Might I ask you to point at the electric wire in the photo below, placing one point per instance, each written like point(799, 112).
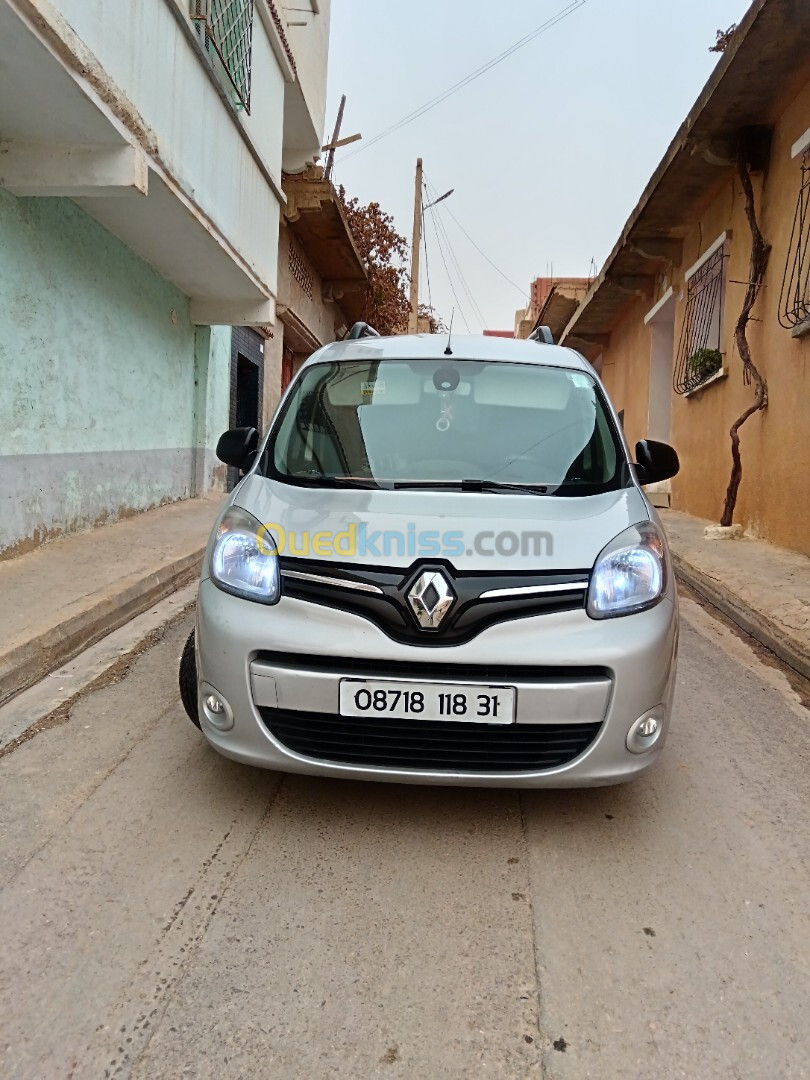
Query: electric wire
point(449, 275)
point(447, 271)
point(427, 264)
point(523, 293)
point(452, 268)
point(573, 5)
point(454, 261)
point(476, 309)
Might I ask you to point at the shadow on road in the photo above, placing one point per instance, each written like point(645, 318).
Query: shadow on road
point(428, 807)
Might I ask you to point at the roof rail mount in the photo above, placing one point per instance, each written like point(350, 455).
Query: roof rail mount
point(542, 334)
point(361, 330)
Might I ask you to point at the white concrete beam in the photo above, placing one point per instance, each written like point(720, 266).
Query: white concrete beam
point(801, 145)
point(73, 171)
point(276, 43)
point(206, 312)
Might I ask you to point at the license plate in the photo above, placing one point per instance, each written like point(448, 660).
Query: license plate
point(427, 701)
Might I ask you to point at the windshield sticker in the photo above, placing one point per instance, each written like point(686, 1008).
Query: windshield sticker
point(371, 388)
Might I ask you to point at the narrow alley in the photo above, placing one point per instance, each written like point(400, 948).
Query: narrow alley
point(169, 913)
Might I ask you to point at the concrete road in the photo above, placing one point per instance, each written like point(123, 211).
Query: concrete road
point(167, 913)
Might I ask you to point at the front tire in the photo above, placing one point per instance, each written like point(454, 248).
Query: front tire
point(188, 680)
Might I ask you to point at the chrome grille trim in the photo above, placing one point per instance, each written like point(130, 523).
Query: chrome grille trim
point(534, 590)
point(340, 583)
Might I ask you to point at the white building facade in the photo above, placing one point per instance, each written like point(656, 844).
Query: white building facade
point(141, 155)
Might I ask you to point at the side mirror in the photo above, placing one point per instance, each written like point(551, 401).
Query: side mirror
point(655, 461)
point(237, 447)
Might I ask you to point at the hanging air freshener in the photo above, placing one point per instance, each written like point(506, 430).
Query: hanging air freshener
point(445, 380)
point(443, 423)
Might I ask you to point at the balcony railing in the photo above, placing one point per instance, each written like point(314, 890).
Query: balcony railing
point(226, 27)
point(794, 299)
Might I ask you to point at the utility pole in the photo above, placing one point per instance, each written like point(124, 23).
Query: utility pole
point(330, 161)
point(413, 318)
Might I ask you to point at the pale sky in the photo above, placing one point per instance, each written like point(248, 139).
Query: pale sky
point(548, 153)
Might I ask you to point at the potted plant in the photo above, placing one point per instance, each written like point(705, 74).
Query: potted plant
point(703, 363)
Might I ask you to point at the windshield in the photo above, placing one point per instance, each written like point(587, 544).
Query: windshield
point(446, 423)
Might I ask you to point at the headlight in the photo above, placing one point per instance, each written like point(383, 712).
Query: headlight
point(630, 573)
point(244, 560)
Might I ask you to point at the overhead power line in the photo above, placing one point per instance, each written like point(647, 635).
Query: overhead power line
point(497, 269)
point(447, 269)
point(427, 264)
point(476, 309)
point(564, 13)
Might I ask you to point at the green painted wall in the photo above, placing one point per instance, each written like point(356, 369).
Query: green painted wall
point(213, 367)
point(100, 391)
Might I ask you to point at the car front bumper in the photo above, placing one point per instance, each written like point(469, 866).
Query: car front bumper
point(290, 658)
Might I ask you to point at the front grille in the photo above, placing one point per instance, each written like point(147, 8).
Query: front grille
point(429, 745)
point(408, 669)
point(472, 612)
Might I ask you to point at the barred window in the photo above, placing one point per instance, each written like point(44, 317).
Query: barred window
point(700, 348)
point(226, 27)
point(299, 270)
point(794, 300)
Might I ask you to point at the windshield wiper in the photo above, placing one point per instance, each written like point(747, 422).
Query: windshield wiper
point(502, 485)
point(471, 486)
point(415, 485)
point(339, 481)
point(355, 481)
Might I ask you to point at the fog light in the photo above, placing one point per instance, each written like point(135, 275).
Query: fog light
point(646, 731)
point(216, 709)
point(648, 726)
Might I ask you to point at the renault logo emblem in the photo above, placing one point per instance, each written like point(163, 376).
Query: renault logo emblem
point(430, 598)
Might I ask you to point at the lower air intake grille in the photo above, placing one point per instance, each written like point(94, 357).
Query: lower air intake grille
point(427, 745)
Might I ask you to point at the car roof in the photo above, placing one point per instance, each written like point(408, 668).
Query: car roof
point(432, 347)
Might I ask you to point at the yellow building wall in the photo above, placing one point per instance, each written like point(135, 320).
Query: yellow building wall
point(774, 496)
point(626, 370)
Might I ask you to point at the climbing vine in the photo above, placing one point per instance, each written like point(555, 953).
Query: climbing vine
point(760, 253)
point(723, 39)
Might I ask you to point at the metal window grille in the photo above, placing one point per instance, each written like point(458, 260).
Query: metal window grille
point(794, 299)
point(699, 353)
point(298, 269)
point(226, 27)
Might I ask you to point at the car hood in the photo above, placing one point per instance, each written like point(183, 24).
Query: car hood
point(472, 531)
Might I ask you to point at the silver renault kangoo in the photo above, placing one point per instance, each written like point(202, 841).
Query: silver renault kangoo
point(439, 567)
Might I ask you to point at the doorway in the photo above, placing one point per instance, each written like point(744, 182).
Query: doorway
point(247, 379)
point(287, 362)
point(661, 321)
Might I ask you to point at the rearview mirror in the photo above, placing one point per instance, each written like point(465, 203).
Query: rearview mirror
point(237, 447)
point(655, 461)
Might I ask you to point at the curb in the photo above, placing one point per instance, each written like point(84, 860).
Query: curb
point(795, 653)
point(32, 661)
